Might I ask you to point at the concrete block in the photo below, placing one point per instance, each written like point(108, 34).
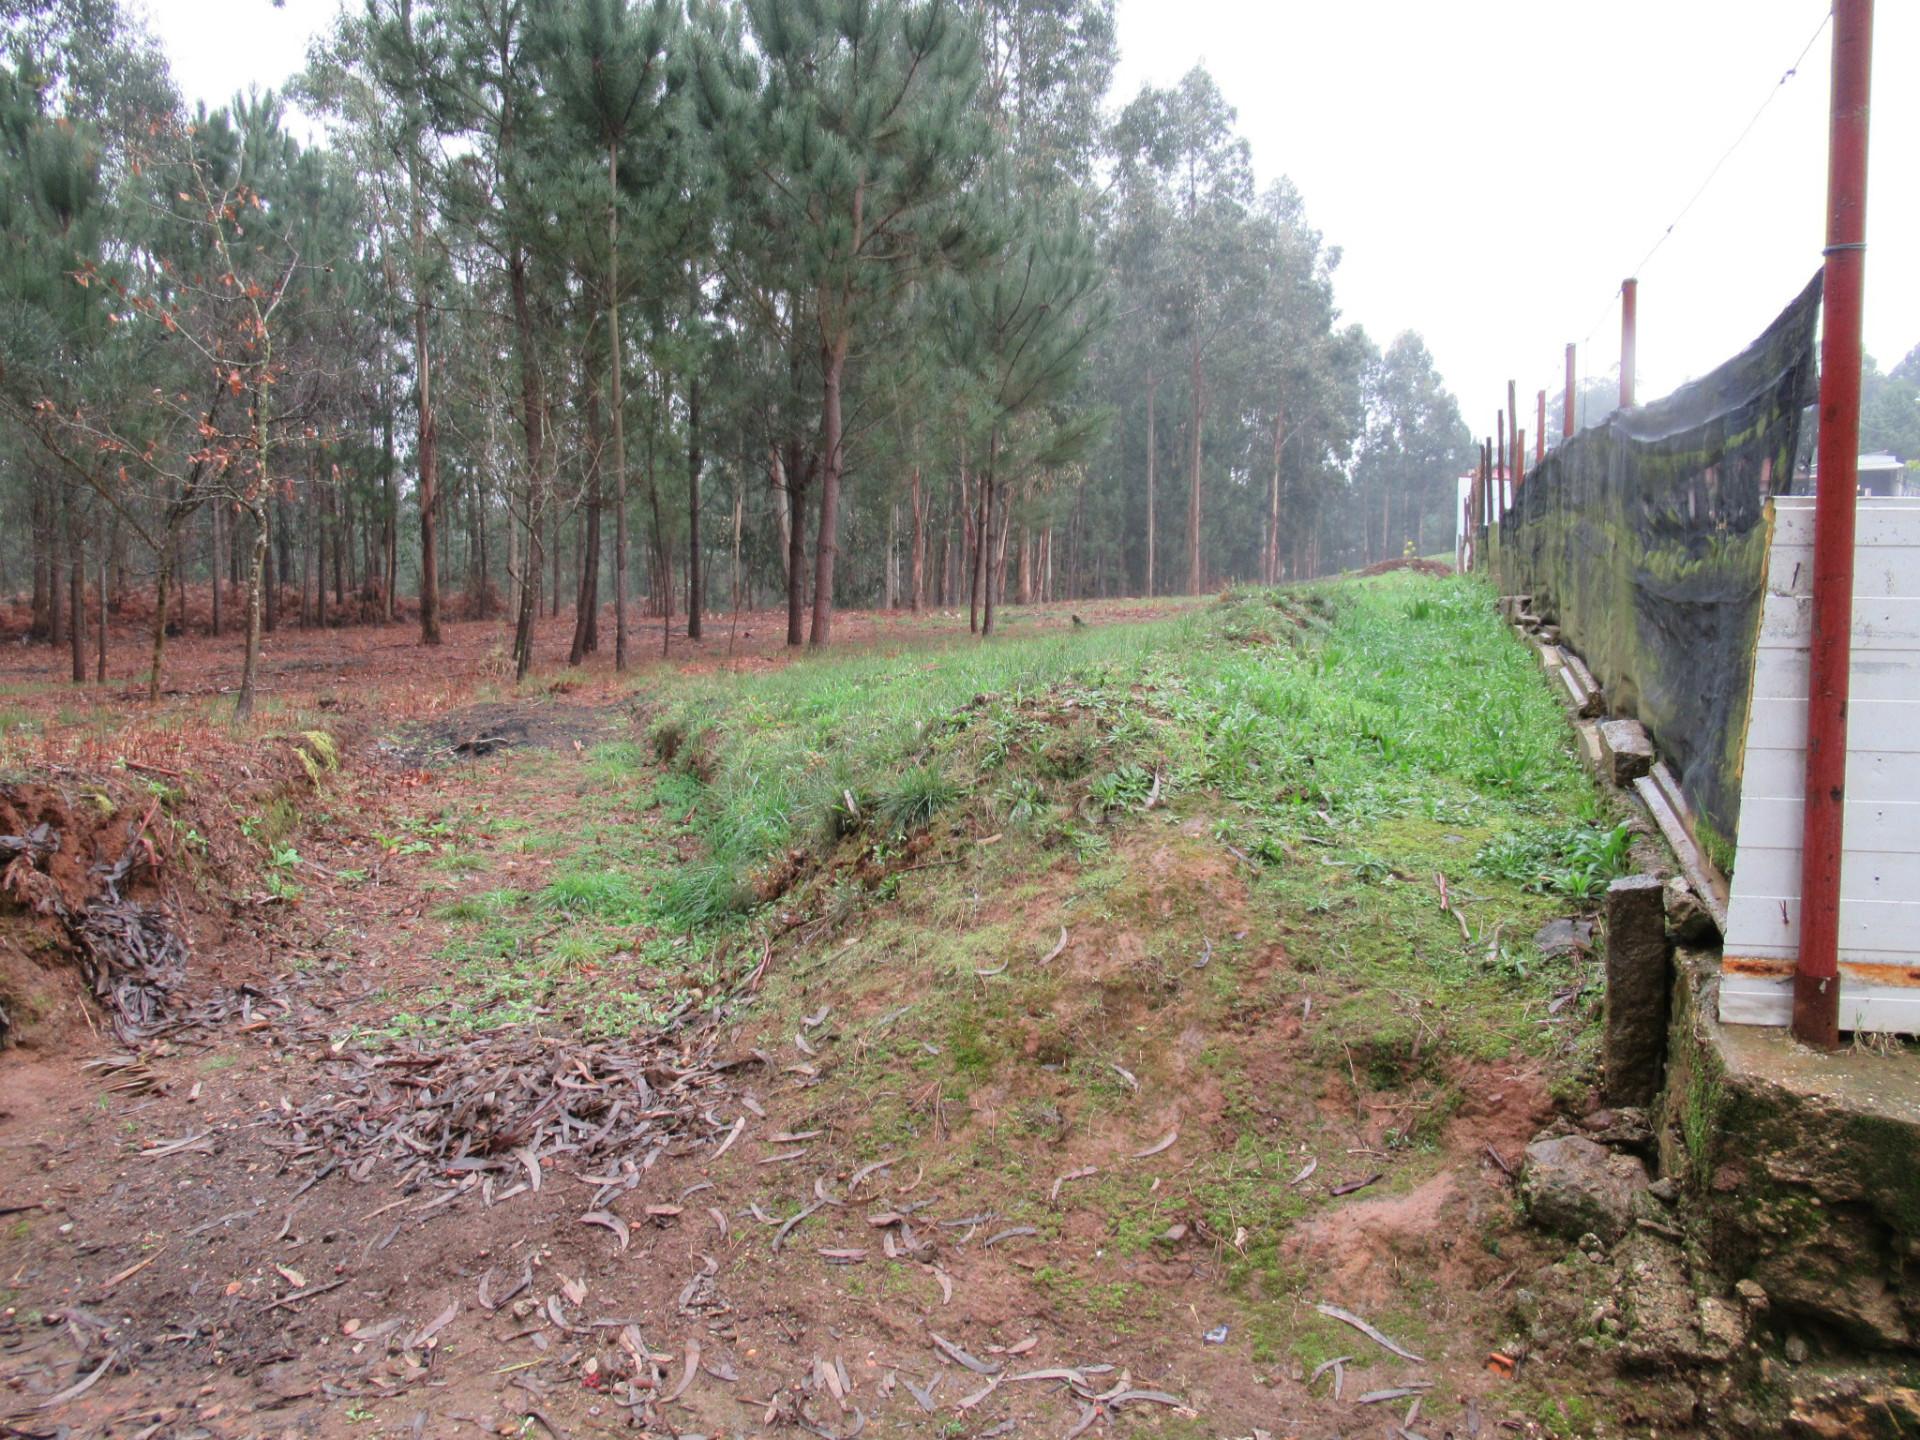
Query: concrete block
point(1587, 702)
point(1626, 749)
point(1590, 745)
point(1634, 1046)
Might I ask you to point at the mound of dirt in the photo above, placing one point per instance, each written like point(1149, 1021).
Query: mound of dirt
point(80, 888)
point(475, 731)
point(1409, 562)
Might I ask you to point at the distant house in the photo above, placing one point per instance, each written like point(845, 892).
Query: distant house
point(1883, 474)
point(1880, 474)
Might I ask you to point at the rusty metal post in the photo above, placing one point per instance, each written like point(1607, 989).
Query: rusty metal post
point(1517, 457)
point(1816, 979)
point(1500, 454)
point(1629, 336)
point(1540, 431)
point(1566, 423)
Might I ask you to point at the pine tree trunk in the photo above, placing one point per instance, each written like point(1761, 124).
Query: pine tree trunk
point(796, 537)
point(533, 413)
point(162, 583)
point(739, 514)
point(214, 568)
point(988, 493)
point(782, 502)
point(890, 572)
point(428, 443)
point(917, 576)
point(42, 540)
point(256, 501)
point(56, 576)
point(100, 629)
point(586, 602)
point(77, 591)
point(833, 363)
point(617, 398)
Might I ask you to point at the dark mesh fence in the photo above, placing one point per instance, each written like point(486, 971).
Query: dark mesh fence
point(1644, 539)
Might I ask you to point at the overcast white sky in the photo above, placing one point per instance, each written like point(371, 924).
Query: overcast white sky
point(1491, 168)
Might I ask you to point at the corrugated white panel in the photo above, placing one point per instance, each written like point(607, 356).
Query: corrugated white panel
point(1880, 874)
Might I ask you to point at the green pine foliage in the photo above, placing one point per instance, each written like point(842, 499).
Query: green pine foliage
point(825, 301)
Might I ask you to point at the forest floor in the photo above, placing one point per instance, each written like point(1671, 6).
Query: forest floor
point(927, 1039)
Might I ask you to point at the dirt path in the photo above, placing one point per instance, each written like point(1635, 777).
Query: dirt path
point(364, 1206)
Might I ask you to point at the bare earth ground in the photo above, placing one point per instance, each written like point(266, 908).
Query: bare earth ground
point(318, 1213)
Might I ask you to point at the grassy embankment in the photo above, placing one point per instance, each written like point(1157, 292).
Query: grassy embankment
point(1262, 950)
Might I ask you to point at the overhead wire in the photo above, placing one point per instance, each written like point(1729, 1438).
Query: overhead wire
point(1773, 93)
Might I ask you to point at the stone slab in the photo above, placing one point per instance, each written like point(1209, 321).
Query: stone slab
point(1626, 750)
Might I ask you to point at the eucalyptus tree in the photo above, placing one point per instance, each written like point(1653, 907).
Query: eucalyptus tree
point(1414, 444)
point(856, 120)
point(1182, 142)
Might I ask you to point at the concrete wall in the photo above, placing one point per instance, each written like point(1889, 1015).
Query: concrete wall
point(1880, 874)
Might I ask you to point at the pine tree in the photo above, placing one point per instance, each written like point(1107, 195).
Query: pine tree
point(863, 132)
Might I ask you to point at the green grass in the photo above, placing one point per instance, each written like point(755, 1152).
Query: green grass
point(1317, 714)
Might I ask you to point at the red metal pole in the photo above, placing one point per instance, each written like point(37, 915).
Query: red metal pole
point(1516, 456)
point(1566, 424)
point(1540, 431)
point(1816, 980)
point(1629, 321)
point(1500, 455)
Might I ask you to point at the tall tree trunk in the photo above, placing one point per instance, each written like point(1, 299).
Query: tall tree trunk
point(890, 569)
point(586, 604)
point(317, 537)
point(989, 489)
point(213, 519)
point(56, 575)
point(273, 576)
point(617, 402)
point(1197, 412)
point(554, 525)
point(77, 588)
point(833, 364)
point(1152, 448)
point(428, 443)
point(976, 547)
point(100, 628)
point(533, 407)
point(389, 510)
point(249, 669)
point(782, 502)
point(256, 502)
point(739, 514)
point(798, 479)
point(696, 586)
point(1271, 559)
point(162, 584)
point(41, 532)
point(917, 565)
